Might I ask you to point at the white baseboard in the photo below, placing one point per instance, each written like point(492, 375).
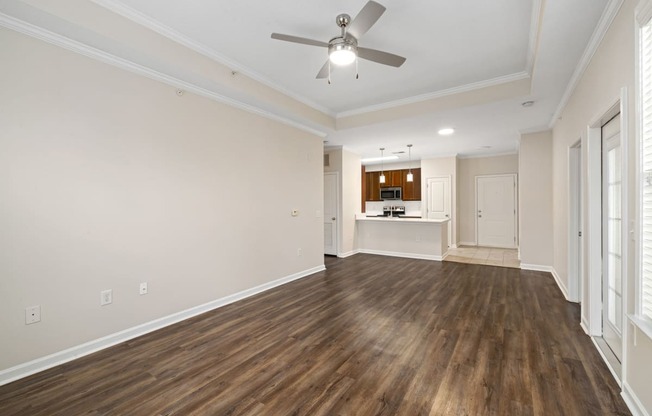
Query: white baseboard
point(52, 360)
point(606, 361)
point(584, 326)
point(551, 270)
point(404, 255)
point(466, 243)
point(348, 254)
point(453, 245)
point(632, 401)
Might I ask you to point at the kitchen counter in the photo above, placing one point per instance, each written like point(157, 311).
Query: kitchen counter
point(417, 238)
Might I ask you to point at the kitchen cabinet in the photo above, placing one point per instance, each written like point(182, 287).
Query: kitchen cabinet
point(372, 186)
point(412, 190)
point(393, 178)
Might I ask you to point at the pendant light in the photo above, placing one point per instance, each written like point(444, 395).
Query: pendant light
point(382, 166)
point(410, 176)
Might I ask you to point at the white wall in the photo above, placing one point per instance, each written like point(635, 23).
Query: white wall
point(444, 166)
point(109, 179)
point(468, 169)
point(535, 199)
point(611, 69)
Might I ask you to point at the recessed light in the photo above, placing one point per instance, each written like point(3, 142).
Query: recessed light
point(527, 103)
point(446, 132)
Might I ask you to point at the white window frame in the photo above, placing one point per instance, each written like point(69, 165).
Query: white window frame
point(643, 18)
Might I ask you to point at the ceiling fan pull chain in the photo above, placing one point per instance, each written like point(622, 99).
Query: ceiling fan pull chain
point(357, 75)
point(329, 72)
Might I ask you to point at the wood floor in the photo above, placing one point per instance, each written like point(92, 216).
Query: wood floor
point(371, 335)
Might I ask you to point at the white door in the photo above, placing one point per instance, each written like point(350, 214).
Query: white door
point(439, 200)
point(496, 210)
point(612, 306)
point(575, 253)
point(330, 213)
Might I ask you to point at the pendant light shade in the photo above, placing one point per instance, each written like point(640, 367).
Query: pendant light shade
point(410, 176)
point(382, 167)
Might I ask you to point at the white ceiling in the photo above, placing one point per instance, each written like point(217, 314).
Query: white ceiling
point(452, 47)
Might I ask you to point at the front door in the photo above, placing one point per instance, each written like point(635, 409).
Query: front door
point(330, 213)
point(439, 200)
point(496, 210)
point(612, 299)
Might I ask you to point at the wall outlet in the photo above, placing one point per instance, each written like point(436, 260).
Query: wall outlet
point(106, 297)
point(299, 252)
point(143, 288)
point(32, 314)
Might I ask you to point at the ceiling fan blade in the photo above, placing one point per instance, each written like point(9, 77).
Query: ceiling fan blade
point(297, 39)
point(323, 72)
point(367, 17)
point(381, 57)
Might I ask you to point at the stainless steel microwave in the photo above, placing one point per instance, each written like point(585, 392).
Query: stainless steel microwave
point(393, 193)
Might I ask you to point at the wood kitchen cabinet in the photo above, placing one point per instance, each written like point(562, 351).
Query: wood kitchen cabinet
point(393, 178)
point(372, 186)
point(412, 190)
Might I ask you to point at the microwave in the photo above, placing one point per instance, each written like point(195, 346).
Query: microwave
point(393, 193)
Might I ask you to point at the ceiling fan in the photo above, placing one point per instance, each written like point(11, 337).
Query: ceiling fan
point(344, 49)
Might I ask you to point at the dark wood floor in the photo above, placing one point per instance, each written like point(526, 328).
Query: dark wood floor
point(370, 336)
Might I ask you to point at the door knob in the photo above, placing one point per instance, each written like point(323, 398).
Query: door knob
point(333, 218)
point(479, 216)
point(447, 216)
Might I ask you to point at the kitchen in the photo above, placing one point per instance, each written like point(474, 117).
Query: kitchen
point(392, 222)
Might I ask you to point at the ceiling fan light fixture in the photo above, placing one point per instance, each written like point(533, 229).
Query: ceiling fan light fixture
point(342, 52)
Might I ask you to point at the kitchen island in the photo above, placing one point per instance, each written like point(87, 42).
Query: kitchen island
point(415, 238)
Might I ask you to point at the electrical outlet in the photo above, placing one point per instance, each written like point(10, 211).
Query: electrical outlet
point(106, 297)
point(32, 314)
point(143, 288)
point(299, 252)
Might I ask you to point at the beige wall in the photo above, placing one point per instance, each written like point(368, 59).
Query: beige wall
point(444, 166)
point(535, 199)
point(110, 179)
point(468, 170)
point(348, 166)
point(611, 68)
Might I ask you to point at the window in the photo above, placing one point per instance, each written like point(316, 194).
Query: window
point(644, 296)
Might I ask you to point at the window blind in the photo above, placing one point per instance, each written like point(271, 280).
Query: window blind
point(646, 175)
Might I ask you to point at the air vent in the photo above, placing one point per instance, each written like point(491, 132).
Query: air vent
point(399, 152)
point(327, 160)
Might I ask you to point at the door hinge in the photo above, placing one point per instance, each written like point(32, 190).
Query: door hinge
point(579, 234)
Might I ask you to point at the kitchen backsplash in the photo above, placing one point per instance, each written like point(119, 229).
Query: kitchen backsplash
point(412, 208)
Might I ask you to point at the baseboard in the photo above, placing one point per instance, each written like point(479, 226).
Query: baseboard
point(632, 401)
point(584, 326)
point(348, 254)
point(606, 361)
point(52, 360)
point(551, 270)
point(404, 255)
point(453, 245)
point(466, 243)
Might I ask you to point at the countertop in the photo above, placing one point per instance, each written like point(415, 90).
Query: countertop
point(362, 217)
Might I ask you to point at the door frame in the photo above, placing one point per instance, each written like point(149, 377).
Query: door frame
point(337, 211)
point(575, 241)
point(591, 309)
point(475, 213)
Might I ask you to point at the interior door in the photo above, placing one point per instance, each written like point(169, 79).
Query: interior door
point(496, 211)
point(439, 200)
point(612, 306)
point(330, 213)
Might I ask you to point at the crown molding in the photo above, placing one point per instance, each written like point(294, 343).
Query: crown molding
point(146, 21)
point(608, 16)
point(535, 30)
point(437, 94)
point(485, 155)
point(107, 58)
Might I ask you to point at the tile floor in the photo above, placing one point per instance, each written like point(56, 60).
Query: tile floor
point(484, 255)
